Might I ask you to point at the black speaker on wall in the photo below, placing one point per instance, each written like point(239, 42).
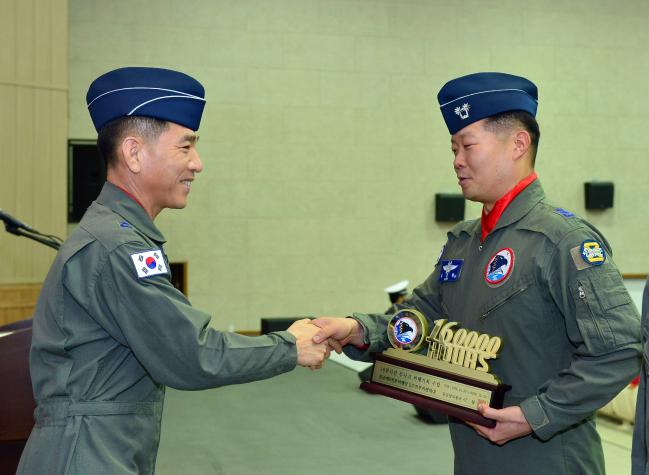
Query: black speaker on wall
point(86, 177)
point(599, 194)
point(449, 207)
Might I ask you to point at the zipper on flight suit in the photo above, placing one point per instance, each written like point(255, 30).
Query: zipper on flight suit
point(582, 297)
point(504, 301)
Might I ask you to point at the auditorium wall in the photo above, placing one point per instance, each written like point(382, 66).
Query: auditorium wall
point(33, 131)
point(322, 141)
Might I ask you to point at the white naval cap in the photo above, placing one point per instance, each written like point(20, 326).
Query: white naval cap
point(398, 288)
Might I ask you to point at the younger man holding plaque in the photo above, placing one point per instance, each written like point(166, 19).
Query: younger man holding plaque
point(533, 274)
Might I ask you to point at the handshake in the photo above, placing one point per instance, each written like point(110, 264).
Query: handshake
point(316, 338)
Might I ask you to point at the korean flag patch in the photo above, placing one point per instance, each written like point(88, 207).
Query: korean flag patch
point(149, 263)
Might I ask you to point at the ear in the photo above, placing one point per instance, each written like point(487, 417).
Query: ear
point(522, 143)
point(132, 149)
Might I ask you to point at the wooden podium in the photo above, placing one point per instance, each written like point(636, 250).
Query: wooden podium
point(16, 398)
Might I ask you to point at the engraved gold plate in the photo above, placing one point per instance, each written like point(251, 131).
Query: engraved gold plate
point(429, 385)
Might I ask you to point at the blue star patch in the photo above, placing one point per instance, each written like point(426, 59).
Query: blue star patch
point(450, 270)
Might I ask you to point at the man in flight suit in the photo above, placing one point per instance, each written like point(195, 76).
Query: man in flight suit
point(533, 274)
point(110, 331)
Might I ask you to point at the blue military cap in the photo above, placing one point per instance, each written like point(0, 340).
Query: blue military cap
point(474, 97)
point(150, 92)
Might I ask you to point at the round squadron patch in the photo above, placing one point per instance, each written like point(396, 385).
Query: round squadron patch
point(407, 329)
point(593, 253)
point(499, 267)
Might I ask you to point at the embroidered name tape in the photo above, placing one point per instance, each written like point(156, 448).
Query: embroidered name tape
point(149, 263)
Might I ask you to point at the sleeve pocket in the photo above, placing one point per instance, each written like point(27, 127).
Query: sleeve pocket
point(606, 315)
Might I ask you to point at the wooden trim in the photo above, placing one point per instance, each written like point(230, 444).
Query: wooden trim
point(17, 301)
point(249, 332)
point(34, 85)
point(635, 276)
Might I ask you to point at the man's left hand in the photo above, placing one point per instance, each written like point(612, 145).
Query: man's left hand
point(510, 424)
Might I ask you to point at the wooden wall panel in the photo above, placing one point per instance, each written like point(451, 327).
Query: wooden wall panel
point(25, 32)
point(33, 131)
point(17, 302)
point(59, 53)
point(59, 174)
point(7, 40)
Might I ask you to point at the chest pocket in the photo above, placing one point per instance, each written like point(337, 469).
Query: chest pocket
point(506, 295)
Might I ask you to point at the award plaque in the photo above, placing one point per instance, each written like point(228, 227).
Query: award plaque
point(452, 378)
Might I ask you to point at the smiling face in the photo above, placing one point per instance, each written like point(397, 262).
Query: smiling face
point(168, 167)
point(484, 163)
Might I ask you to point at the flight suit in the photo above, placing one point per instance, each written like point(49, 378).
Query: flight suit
point(640, 465)
point(109, 333)
point(570, 333)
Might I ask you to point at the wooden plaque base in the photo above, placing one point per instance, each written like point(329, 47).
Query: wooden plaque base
point(423, 385)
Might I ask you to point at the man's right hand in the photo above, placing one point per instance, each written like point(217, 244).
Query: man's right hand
point(338, 332)
point(309, 353)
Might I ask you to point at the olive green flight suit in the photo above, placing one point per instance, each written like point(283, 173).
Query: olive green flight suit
point(570, 335)
point(106, 342)
point(640, 465)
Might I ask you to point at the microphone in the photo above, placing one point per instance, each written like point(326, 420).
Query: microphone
point(12, 222)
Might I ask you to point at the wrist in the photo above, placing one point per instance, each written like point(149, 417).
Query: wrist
point(357, 334)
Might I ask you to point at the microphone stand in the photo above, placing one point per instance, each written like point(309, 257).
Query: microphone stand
point(47, 239)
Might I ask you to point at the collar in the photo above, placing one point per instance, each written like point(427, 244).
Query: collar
point(124, 204)
point(491, 220)
point(130, 195)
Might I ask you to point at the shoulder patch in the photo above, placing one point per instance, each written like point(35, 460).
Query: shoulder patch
point(593, 252)
point(149, 263)
point(564, 213)
point(125, 224)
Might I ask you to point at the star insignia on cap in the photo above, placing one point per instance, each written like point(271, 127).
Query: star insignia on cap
point(463, 111)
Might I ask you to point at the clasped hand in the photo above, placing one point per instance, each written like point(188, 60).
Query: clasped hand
point(316, 338)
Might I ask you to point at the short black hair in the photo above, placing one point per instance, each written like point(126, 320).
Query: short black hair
point(111, 134)
point(506, 121)
point(394, 296)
